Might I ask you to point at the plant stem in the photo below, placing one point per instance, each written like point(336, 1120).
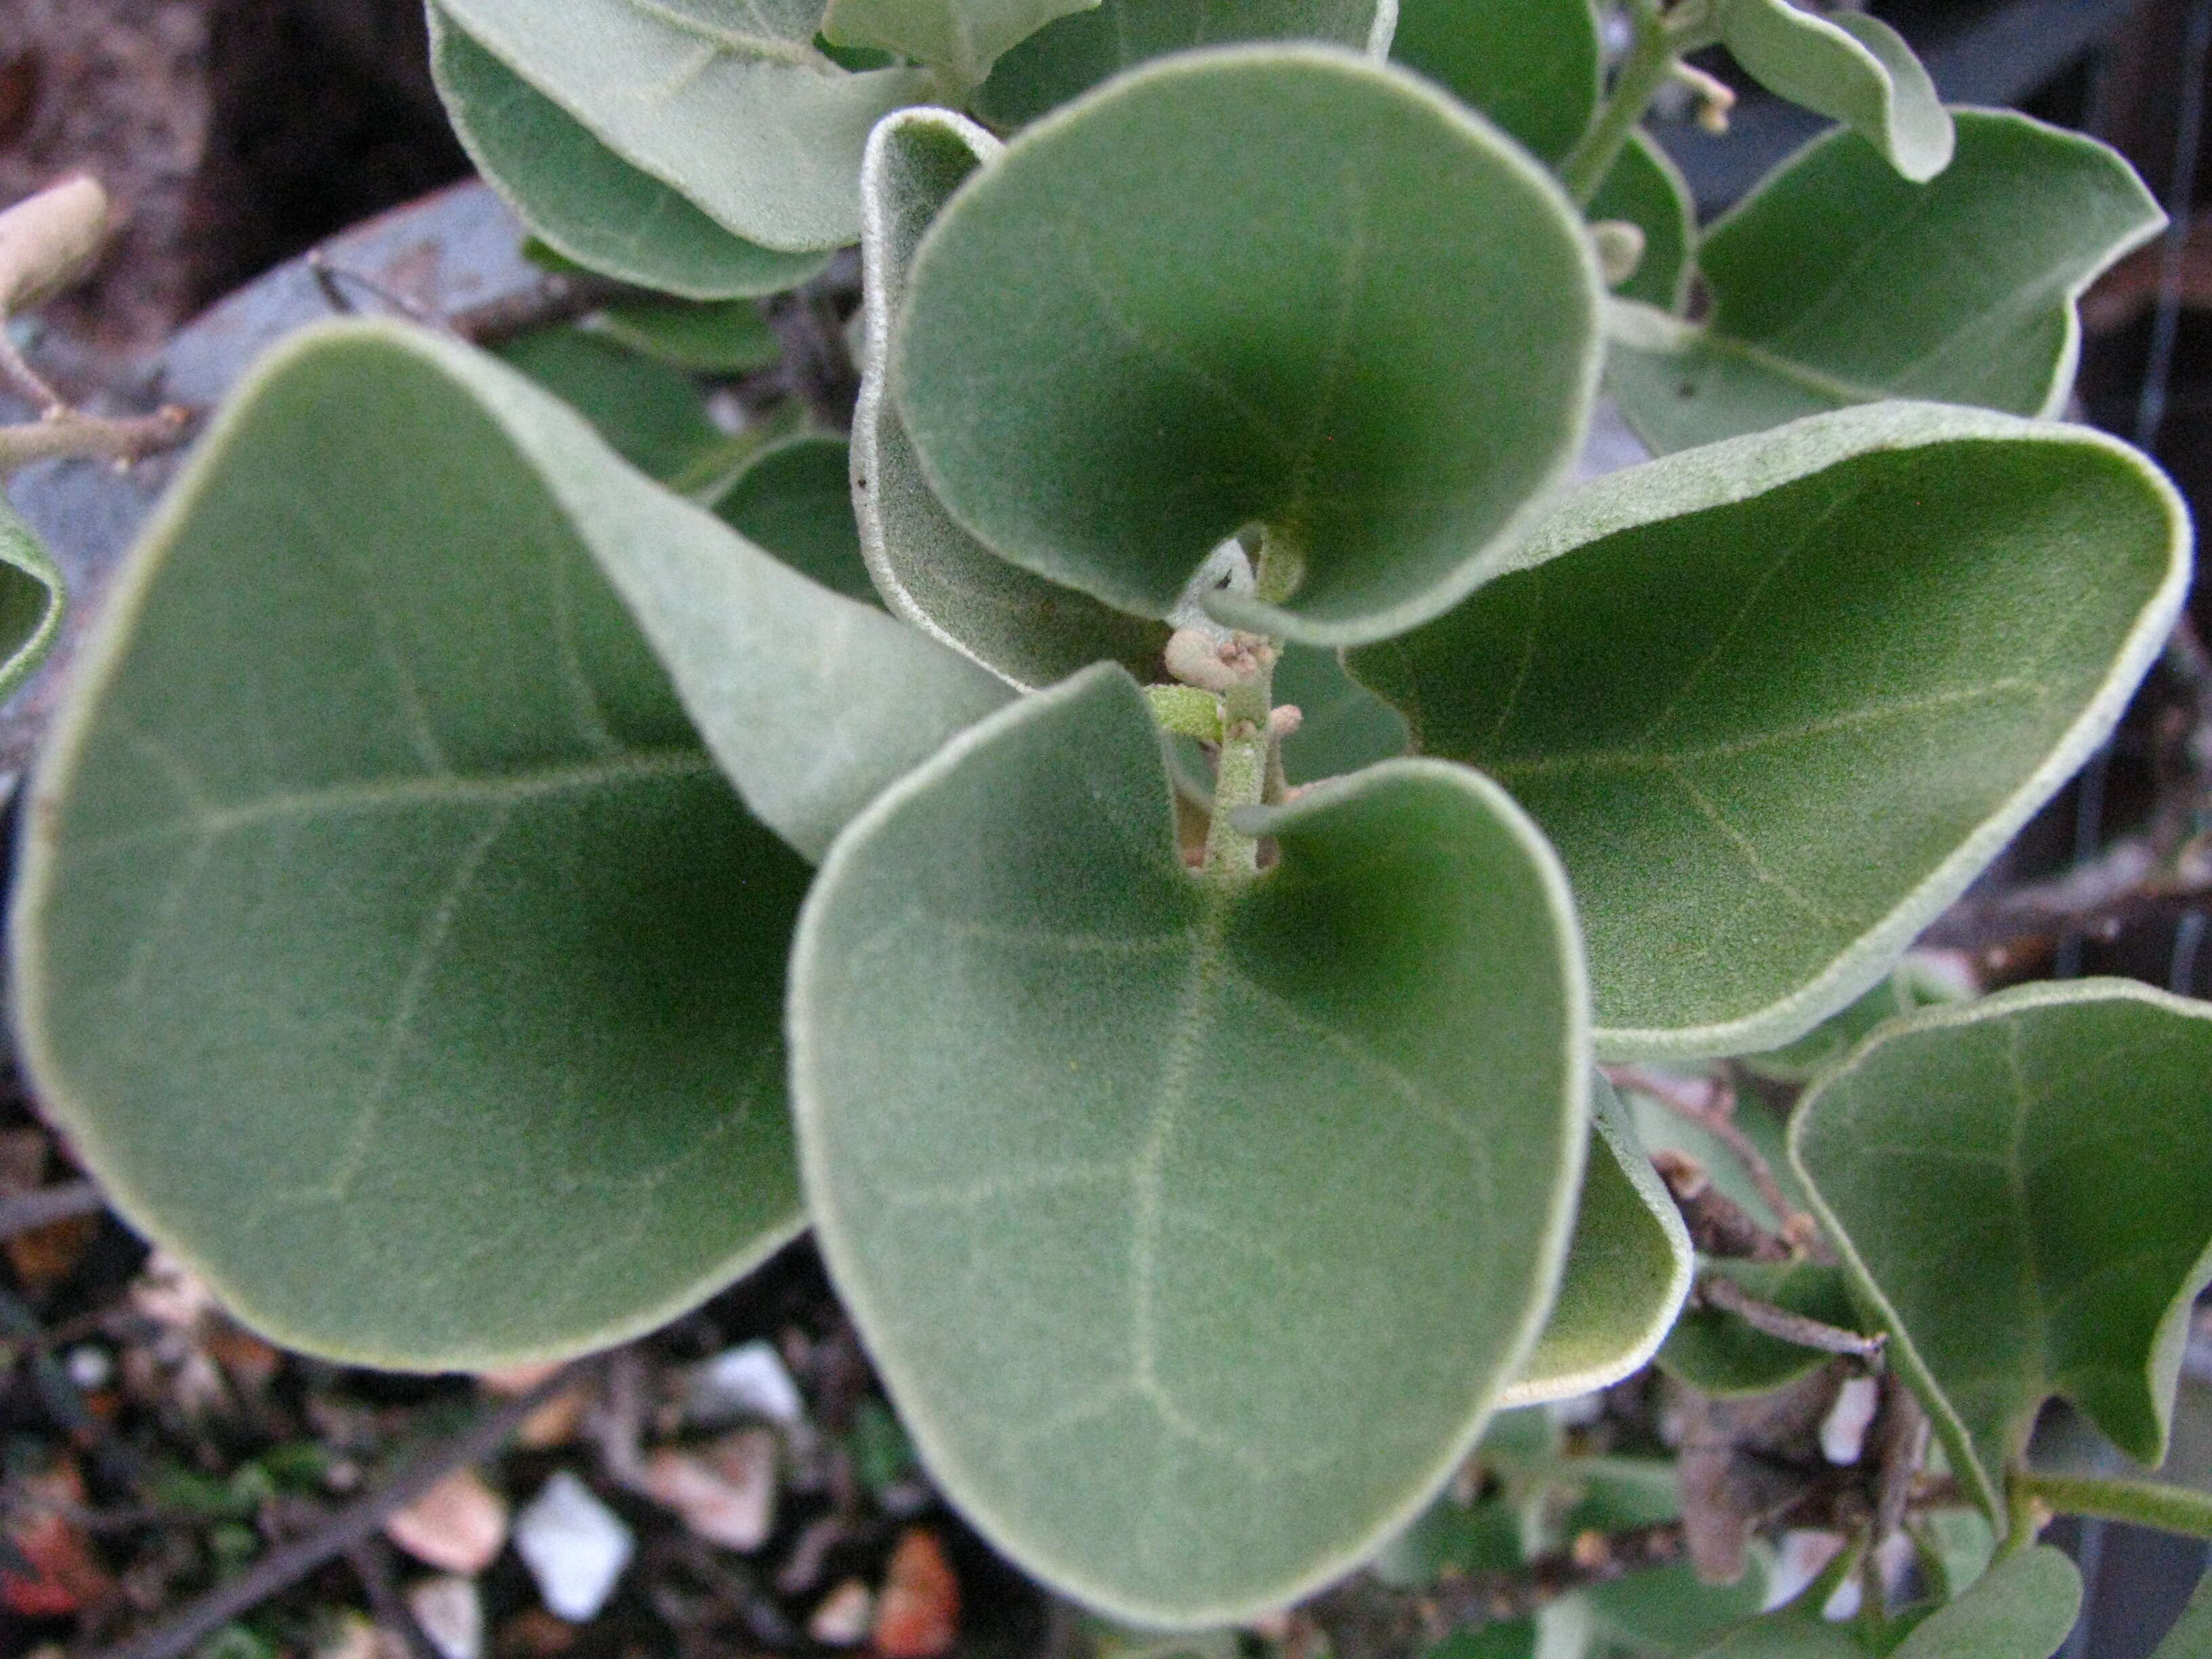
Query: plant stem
point(1240, 779)
point(71, 434)
point(2142, 1503)
point(1661, 38)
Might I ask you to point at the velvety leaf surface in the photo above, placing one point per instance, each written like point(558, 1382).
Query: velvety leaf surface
point(30, 600)
point(1067, 58)
point(1850, 67)
point(1776, 701)
point(1718, 1354)
point(2022, 1608)
point(1029, 631)
point(388, 944)
point(1207, 296)
point(1914, 984)
point(1788, 1633)
point(1529, 65)
point(1628, 1269)
point(726, 337)
point(793, 500)
point(1132, 1182)
point(582, 199)
point(651, 414)
point(731, 104)
point(1836, 282)
point(2191, 1635)
point(1648, 190)
point(965, 37)
point(2018, 1187)
point(1346, 726)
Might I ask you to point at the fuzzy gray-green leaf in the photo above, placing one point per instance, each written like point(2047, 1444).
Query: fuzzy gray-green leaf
point(580, 199)
point(1852, 68)
point(2023, 1608)
point(1648, 190)
point(388, 944)
point(964, 37)
point(1777, 701)
point(1836, 281)
point(1628, 1269)
point(1067, 58)
point(1191, 1229)
point(1530, 65)
point(2017, 1188)
point(1022, 627)
point(733, 105)
point(793, 500)
point(1207, 296)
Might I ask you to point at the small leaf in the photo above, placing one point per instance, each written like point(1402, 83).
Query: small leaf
point(30, 600)
point(1836, 281)
point(1916, 982)
point(2018, 1188)
point(1661, 1610)
point(1065, 59)
point(793, 500)
point(651, 414)
point(583, 200)
point(2023, 1608)
point(1852, 68)
point(728, 336)
point(1788, 1633)
point(1029, 631)
point(1648, 190)
point(1241, 324)
point(1134, 1182)
point(387, 944)
point(1777, 703)
point(964, 37)
point(1345, 726)
point(1530, 65)
point(1718, 1354)
point(736, 110)
point(1628, 1270)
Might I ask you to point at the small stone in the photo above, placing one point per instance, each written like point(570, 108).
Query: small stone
point(843, 1618)
point(451, 1613)
point(459, 1526)
point(919, 1615)
point(744, 1381)
point(90, 1368)
point(726, 1494)
point(574, 1545)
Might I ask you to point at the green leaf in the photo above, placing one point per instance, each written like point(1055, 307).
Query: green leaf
point(31, 600)
point(726, 337)
point(1454, 1539)
point(2023, 1608)
point(654, 415)
point(964, 37)
point(1628, 1269)
point(1778, 702)
point(1648, 190)
point(1029, 631)
point(2191, 1635)
point(1790, 1633)
point(1193, 1228)
point(1345, 726)
point(1718, 1354)
point(1850, 67)
point(735, 108)
point(1240, 325)
point(387, 943)
point(1068, 58)
point(1530, 65)
point(1916, 982)
point(580, 199)
point(1836, 281)
point(793, 500)
point(1661, 1610)
point(2017, 1188)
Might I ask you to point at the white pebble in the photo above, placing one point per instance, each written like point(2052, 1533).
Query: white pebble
point(744, 1381)
point(574, 1545)
point(451, 1614)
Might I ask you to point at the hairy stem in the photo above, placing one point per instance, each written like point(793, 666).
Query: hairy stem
point(1660, 38)
point(2142, 1502)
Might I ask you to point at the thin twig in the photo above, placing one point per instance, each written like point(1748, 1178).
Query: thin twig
point(282, 1567)
point(69, 435)
point(1718, 1224)
point(2096, 898)
point(370, 1558)
point(1712, 1107)
point(556, 297)
point(1721, 1292)
point(27, 1212)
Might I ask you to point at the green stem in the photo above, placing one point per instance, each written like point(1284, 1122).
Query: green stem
point(1240, 778)
point(1659, 40)
point(2142, 1502)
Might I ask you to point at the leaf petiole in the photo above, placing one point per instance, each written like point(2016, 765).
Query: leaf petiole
point(1662, 37)
point(2142, 1503)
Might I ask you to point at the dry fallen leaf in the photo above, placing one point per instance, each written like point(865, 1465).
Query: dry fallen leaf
point(459, 1526)
point(65, 1577)
point(919, 1616)
point(725, 1492)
